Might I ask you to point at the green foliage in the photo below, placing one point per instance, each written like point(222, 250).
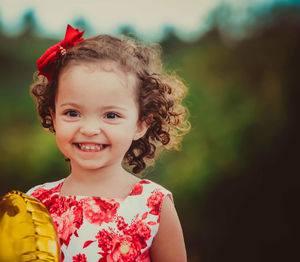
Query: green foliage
point(225, 102)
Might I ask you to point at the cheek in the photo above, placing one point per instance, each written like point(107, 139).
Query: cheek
point(63, 132)
point(63, 138)
point(122, 136)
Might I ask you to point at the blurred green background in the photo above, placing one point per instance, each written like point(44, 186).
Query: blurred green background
point(236, 181)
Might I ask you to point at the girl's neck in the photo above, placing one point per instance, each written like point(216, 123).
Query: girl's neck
point(107, 181)
point(96, 176)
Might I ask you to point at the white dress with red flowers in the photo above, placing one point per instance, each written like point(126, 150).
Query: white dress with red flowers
point(97, 229)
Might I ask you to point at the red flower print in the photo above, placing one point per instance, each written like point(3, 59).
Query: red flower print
point(39, 192)
point(100, 211)
point(121, 223)
point(62, 256)
point(137, 190)
point(140, 232)
point(110, 233)
point(87, 243)
point(125, 249)
point(145, 257)
point(155, 201)
point(145, 215)
point(134, 236)
point(64, 226)
point(144, 182)
point(79, 258)
point(67, 216)
point(66, 212)
point(152, 223)
point(105, 240)
point(42, 193)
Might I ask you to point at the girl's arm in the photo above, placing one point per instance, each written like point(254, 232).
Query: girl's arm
point(168, 244)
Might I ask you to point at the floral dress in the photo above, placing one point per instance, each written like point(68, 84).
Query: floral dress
point(97, 229)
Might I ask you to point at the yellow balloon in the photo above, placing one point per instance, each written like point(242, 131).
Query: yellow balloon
point(26, 230)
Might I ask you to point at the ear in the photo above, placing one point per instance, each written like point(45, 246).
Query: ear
point(52, 113)
point(141, 130)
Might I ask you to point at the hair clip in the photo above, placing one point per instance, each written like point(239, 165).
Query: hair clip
point(45, 63)
point(62, 50)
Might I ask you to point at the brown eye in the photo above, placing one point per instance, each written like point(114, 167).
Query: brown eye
point(72, 113)
point(111, 115)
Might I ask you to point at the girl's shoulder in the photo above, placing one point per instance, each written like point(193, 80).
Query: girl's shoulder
point(153, 184)
point(45, 186)
point(151, 188)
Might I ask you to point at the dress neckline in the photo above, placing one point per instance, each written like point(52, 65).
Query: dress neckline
point(136, 185)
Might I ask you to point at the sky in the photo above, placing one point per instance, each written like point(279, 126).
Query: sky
point(148, 17)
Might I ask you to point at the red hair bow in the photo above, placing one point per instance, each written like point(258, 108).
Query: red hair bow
point(45, 62)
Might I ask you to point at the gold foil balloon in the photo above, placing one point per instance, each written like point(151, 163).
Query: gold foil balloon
point(26, 230)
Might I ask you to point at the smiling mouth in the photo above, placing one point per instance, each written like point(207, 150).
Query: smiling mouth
point(90, 147)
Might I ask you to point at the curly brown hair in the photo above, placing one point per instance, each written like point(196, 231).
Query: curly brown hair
point(159, 94)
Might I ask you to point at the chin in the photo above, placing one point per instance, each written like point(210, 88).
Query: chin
point(86, 166)
point(91, 167)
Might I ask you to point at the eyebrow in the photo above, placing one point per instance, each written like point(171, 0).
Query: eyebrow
point(69, 104)
point(110, 107)
point(114, 107)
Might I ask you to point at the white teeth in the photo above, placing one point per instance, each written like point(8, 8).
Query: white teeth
point(90, 148)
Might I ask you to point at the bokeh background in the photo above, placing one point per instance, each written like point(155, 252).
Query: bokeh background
point(236, 181)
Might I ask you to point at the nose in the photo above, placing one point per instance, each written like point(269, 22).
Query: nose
point(90, 128)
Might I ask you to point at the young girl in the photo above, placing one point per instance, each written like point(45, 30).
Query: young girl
point(110, 105)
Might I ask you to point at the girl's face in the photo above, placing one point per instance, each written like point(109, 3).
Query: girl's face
point(96, 115)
